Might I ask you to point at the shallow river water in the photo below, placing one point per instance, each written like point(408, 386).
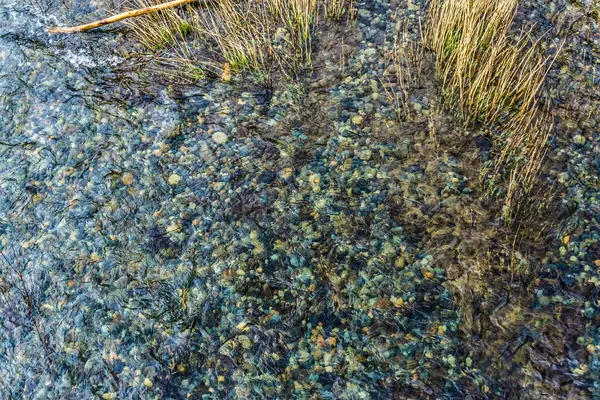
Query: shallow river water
point(231, 240)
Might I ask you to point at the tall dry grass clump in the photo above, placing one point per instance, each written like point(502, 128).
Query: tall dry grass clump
point(166, 33)
point(298, 17)
point(489, 73)
point(495, 79)
point(336, 9)
point(159, 29)
point(256, 36)
point(242, 32)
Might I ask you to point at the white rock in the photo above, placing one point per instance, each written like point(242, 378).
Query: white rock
point(579, 139)
point(174, 180)
point(220, 137)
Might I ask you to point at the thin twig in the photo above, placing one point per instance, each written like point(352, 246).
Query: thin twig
point(120, 17)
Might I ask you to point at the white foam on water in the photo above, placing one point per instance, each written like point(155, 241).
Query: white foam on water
point(79, 59)
point(38, 21)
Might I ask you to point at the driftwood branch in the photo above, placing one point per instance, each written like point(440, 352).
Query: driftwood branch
point(119, 17)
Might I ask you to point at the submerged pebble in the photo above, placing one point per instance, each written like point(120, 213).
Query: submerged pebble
point(225, 242)
point(220, 138)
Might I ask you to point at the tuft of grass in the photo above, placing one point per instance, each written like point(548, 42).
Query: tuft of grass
point(298, 17)
point(261, 36)
point(158, 30)
point(496, 80)
point(245, 35)
point(522, 153)
point(336, 9)
point(166, 33)
point(480, 66)
point(242, 32)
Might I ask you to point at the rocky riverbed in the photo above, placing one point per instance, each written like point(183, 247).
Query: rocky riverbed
point(236, 240)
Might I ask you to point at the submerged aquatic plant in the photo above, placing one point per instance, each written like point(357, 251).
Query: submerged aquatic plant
point(405, 71)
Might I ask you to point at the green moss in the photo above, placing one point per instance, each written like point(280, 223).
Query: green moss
point(185, 28)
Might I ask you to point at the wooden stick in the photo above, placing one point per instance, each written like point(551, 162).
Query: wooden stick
point(119, 17)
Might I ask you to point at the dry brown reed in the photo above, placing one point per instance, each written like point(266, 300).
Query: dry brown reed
point(495, 79)
point(336, 9)
point(256, 36)
point(159, 29)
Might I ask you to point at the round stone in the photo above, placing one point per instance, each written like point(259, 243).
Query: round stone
point(357, 120)
point(579, 139)
point(219, 137)
point(174, 180)
point(127, 178)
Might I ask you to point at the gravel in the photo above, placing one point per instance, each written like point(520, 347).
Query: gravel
point(231, 241)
